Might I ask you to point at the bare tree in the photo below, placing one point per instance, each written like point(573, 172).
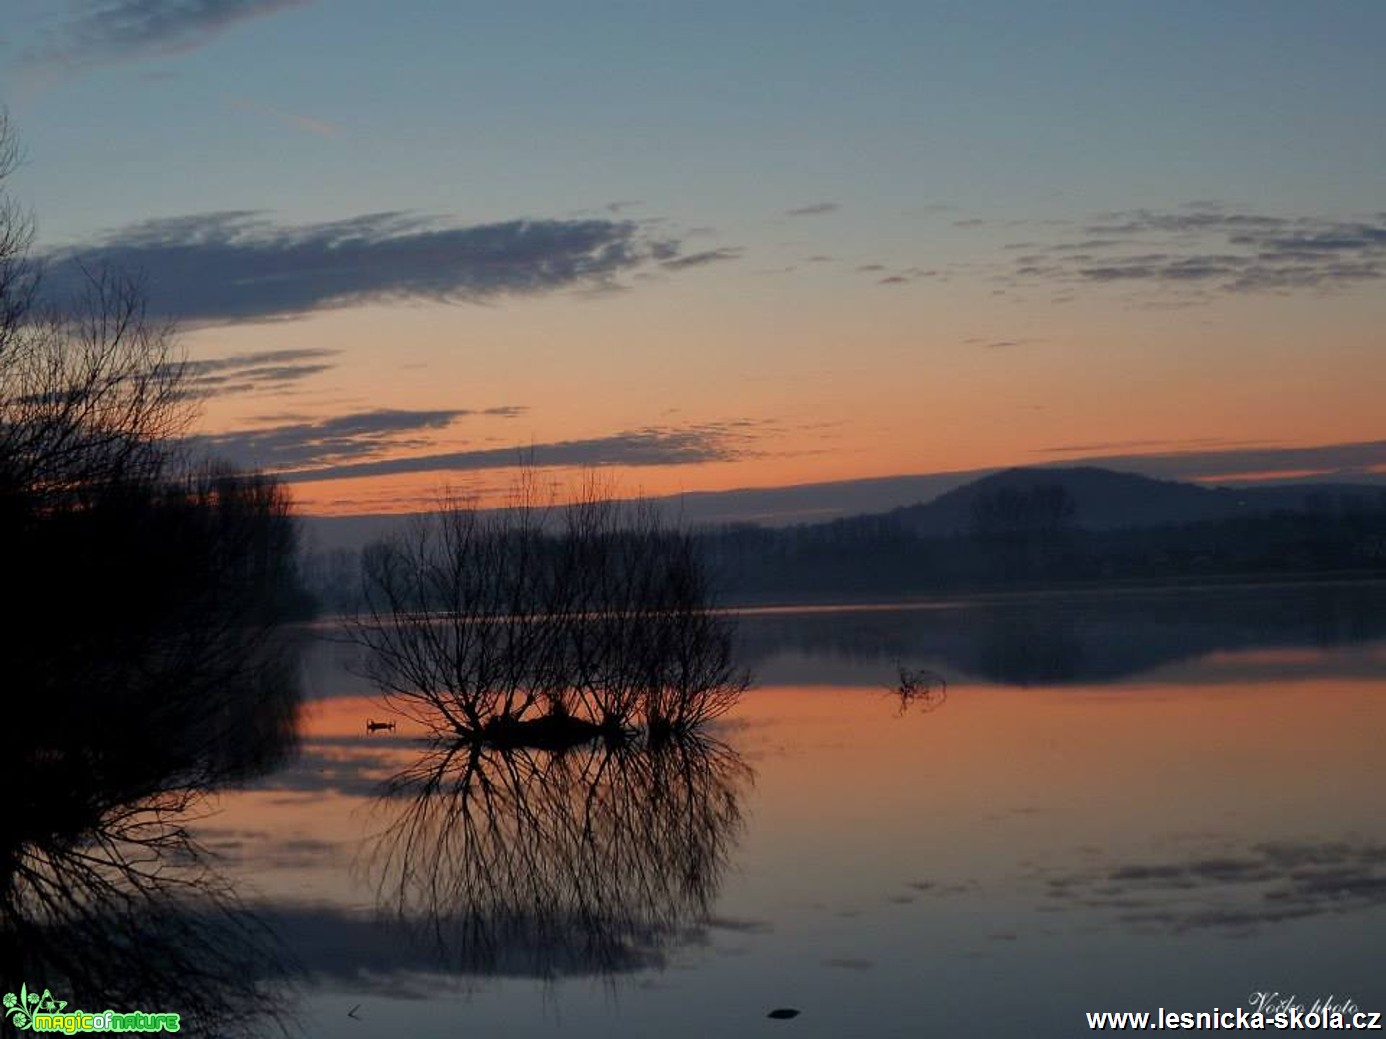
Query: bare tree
point(144, 660)
point(540, 624)
point(92, 392)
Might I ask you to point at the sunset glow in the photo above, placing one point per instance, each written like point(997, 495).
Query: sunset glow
point(732, 251)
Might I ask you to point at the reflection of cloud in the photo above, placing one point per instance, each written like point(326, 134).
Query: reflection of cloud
point(117, 30)
point(1209, 249)
point(365, 954)
point(849, 963)
point(268, 850)
point(240, 266)
point(1267, 884)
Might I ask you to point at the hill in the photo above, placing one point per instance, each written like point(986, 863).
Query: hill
point(1102, 499)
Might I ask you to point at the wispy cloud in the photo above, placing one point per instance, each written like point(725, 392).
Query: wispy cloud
point(1196, 443)
point(240, 266)
point(317, 127)
point(702, 258)
point(120, 30)
point(367, 444)
point(264, 370)
point(1358, 461)
point(990, 343)
point(1199, 251)
point(817, 209)
point(337, 440)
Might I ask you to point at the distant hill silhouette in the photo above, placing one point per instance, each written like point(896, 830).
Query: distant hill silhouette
point(1018, 529)
point(1105, 500)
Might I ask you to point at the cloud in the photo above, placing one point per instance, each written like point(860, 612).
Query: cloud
point(702, 258)
point(326, 441)
point(239, 266)
point(243, 373)
point(317, 127)
point(713, 442)
point(365, 445)
point(1359, 461)
point(120, 30)
point(817, 209)
point(1202, 251)
point(999, 344)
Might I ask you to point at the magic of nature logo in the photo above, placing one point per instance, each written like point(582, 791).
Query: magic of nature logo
point(36, 1011)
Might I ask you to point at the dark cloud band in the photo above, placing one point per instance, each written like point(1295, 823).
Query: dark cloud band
point(1208, 249)
point(239, 266)
point(366, 445)
point(117, 30)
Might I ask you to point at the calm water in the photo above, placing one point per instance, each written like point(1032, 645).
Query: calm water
point(1124, 802)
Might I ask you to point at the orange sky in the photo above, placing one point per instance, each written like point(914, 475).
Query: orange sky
point(847, 247)
point(866, 387)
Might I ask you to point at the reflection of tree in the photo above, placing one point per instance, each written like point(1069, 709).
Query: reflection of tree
point(919, 689)
point(105, 898)
point(535, 862)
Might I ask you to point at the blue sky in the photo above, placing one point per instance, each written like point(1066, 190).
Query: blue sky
point(776, 228)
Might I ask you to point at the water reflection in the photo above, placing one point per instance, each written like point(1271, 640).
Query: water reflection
point(1237, 892)
point(596, 859)
point(106, 899)
point(1060, 640)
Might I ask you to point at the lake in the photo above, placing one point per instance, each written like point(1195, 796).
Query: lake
point(1121, 802)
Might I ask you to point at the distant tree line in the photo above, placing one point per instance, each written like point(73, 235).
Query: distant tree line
point(1015, 539)
point(1030, 539)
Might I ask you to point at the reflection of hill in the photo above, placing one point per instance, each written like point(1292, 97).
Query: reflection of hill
point(1054, 640)
point(542, 864)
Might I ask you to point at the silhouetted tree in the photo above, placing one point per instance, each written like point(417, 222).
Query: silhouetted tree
point(534, 624)
point(145, 663)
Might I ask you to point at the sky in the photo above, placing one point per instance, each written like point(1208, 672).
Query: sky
point(709, 246)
